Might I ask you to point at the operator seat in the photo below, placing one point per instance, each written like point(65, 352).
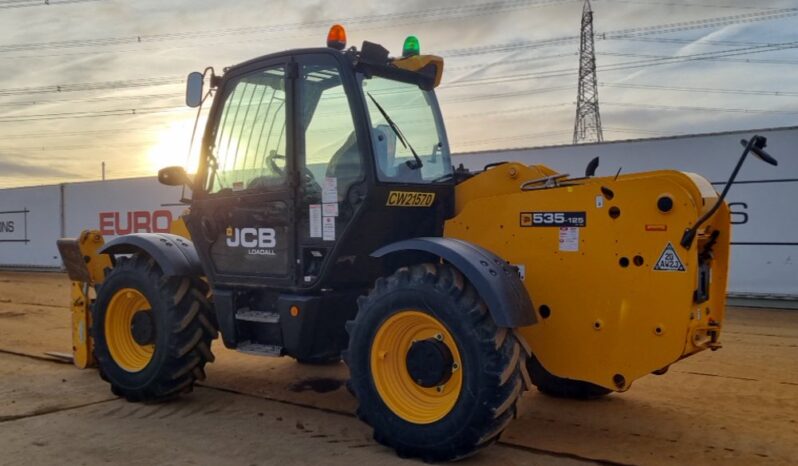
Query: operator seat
point(385, 153)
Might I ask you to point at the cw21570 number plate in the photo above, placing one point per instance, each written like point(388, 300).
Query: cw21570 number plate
point(553, 219)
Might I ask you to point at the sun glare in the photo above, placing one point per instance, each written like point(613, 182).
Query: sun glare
point(172, 144)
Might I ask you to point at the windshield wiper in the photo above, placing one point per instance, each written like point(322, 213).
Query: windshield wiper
point(413, 166)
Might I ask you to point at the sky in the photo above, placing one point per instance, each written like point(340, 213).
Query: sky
point(92, 81)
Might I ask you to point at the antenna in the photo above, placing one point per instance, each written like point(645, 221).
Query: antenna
point(587, 127)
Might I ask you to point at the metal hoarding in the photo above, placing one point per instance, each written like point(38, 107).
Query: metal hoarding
point(764, 202)
point(30, 221)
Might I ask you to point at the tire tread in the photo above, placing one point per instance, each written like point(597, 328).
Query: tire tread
point(501, 380)
point(190, 334)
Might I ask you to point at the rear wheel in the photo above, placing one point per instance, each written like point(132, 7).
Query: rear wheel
point(152, 334)
point(432, 373)
point(549, 384)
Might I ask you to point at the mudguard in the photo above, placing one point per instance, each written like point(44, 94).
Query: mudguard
point(174, 254)
point(496, 281)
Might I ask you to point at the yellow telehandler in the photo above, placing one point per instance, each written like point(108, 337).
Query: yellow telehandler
point(326, 221)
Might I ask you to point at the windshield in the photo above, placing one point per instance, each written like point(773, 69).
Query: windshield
point(416, 117)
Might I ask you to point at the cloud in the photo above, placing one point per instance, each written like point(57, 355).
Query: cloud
point(17, 168)
point(126, 152)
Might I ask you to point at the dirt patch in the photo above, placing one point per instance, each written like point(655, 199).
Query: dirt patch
point(738, 405)
point(199, 428)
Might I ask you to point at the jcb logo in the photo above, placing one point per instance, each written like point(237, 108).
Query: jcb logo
point(409, 199)
point(263, 238)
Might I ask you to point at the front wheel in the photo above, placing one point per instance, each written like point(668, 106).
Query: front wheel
point(152, 334)
point(433, 374)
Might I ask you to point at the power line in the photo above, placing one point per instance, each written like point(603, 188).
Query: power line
point(43, 148)
point(702, 56)
point(29, 3)
point(629, 64)
point(427, 15)
point(506, 111)
point(702, 23)
point(633, 130)
point(730, 60)
point(690, 4)
point(93, 86)
point(60, 134)
point(629, 32)
point(490, 80)
point(495, 48)
point(325, 23)
point(513, 61)
point(707, 90)
point(702, 109)
point(635, 33)
point(167, 80)
point(420, 16)
point(93, 114)
point(92, 99)
point(499, 95)
point(702, 41)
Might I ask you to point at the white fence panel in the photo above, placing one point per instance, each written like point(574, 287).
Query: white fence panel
point(765, 211)
point(30, 222)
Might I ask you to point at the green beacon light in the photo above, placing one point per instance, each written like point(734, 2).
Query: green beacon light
point(411, 47)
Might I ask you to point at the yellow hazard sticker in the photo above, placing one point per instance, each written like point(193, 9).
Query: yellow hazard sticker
point(410, 199)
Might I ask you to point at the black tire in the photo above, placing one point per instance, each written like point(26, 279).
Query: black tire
point(184, 328)
point(493, 364)
point(558, 387)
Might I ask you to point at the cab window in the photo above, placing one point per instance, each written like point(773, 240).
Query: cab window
point(249, 144)
point(331, 145)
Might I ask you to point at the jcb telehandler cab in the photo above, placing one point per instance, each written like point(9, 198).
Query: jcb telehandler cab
point(326, 219)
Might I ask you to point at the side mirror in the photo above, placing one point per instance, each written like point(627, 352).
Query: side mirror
point(174, 176)
point(758, 148)
point(194, 84)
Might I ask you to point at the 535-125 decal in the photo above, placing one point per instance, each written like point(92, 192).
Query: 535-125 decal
point(553, 219)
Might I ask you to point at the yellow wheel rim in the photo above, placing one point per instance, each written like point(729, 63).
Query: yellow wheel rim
point(396, 387)
point(128, 354)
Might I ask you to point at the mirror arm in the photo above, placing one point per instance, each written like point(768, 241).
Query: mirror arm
point(689, 233)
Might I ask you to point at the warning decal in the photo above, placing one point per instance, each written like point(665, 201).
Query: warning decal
point(669, 261)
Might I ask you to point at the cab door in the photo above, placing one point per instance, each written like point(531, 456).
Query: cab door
point(332, 154)
point(242, 221)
